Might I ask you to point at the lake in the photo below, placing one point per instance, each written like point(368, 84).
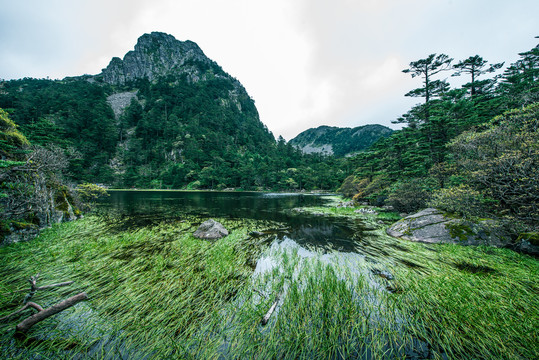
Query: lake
point(143, 208)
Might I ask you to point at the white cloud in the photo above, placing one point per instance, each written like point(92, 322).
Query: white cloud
point(305, 62)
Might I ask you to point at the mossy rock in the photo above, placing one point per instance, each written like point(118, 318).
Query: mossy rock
point(434, 226)
point(531, 237)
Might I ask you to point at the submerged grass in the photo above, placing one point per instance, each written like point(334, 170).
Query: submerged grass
point(148, 287)
point(156, 292)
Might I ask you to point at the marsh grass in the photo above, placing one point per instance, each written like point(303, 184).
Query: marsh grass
point(156, 292)
point(150, 287)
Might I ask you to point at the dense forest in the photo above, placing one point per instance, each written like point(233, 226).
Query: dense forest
point(473, 150)
point(173, 135)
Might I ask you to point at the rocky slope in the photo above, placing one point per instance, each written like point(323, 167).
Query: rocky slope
point(338, 141)
point(156, 54)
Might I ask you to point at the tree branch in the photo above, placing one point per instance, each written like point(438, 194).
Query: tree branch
point(26, 324)
point(28, 305)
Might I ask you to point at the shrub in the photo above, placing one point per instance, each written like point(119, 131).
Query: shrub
point(462, 200)
point(90, 192)
point(501, 159)
point(411, 195)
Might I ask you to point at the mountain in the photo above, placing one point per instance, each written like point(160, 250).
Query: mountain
point(156, 55)
point(163, 116)
point(338, 141)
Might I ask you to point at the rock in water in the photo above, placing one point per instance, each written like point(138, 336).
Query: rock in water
point(210, 230)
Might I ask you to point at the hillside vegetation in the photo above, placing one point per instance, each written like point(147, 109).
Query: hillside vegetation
point(472, 151)
point(165, 116)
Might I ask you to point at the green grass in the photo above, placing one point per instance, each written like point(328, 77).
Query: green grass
point(157, 284)
point(159, 292)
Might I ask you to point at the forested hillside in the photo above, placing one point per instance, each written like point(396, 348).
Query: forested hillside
point(165, 116)
point(332, 140)
point(473, 151)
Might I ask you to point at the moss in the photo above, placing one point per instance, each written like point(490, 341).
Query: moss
point(531, 237)
point(459, 230)
point(22, 225)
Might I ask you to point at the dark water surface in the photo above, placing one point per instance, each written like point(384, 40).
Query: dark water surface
point(148, 207)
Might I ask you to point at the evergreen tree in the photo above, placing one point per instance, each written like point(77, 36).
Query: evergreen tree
point(475, 66)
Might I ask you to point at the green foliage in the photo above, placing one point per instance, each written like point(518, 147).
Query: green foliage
point(175, 133)
point(411, 195)
point(482, 161)
point(462, 200)
point(502, 160)
point(11, 139)
point(90, 192)
point(373, 190)
point(10, 163)
point(349, 187)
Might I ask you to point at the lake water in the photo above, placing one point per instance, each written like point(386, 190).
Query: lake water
point(143, 208)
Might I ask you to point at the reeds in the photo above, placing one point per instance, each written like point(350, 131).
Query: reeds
point(156, 292)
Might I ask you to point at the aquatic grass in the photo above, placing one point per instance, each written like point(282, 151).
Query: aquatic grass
point(482, 315)
point(156, 292)
point(153, 285)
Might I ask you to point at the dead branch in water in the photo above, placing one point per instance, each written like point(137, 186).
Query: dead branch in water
point(26, 324)
point(28, 305)
point(42, 314)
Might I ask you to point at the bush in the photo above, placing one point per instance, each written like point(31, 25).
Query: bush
point(462, 200)
point(374, 191)
point(90, 192)
point(349, 186)
point(501, 159)
point(411, 195)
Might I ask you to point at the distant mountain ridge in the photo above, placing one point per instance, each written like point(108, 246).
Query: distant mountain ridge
point(332, 140)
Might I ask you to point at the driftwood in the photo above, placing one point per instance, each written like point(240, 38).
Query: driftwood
point(266, 317)
point(45, 287)
point(28, 305)
point(42, 314)
point(26, 324)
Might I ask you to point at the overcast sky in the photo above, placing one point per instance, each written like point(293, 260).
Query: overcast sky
point(305, 62)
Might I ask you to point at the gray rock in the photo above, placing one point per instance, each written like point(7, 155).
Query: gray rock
point(526, 247)
point(433, 226)
point(156, 54)
point(120, 101)
point(210, 230)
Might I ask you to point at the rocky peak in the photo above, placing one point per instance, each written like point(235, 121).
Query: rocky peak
point(155, 54)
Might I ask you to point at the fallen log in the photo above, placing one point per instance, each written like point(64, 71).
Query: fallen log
point(26, 324)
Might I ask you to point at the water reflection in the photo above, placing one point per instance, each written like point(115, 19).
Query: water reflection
point(144, 208)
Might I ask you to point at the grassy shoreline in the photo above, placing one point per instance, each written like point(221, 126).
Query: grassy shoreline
point(157, 292)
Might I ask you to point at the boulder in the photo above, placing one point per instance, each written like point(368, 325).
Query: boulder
point(210, 230)
point(434, 226)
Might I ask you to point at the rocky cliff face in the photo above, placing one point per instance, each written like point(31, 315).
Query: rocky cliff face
point(337, 141)
point(156, 54)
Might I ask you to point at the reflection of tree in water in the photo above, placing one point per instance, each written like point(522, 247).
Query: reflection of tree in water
point(167, 204)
